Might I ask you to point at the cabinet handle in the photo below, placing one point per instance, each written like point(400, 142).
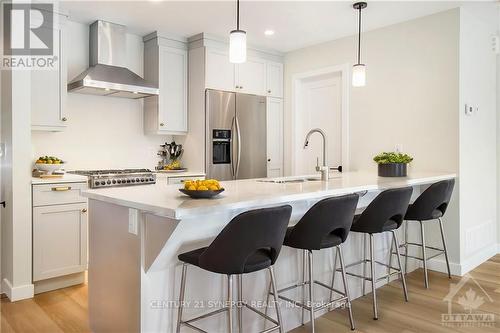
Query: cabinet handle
point(269, 160)
point(241, 87)
point(84, 210)
point(269, 91)
point(64, 119)
point(61, 188)
point(237, 87)
point(162, 124)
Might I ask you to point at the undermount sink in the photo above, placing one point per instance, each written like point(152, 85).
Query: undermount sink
point(290, 180)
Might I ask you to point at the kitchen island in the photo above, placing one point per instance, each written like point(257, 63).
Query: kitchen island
point(136, 233)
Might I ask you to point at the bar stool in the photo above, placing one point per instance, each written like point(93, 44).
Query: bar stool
point(429, 206)
point(384, 214)
point(250, 242)
point(325, 225)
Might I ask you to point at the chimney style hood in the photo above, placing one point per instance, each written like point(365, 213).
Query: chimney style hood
point(107, 74)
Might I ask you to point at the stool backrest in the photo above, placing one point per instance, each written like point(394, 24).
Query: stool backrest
point(248, 232)
point(435, 197)
point(388, 207)
point(328, 216)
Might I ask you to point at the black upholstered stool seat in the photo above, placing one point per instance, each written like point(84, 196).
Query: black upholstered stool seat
point(414, 214)
point(387, 226)
point(261, 259)
point(325, 225)
point(326, 242)
point(250, 242)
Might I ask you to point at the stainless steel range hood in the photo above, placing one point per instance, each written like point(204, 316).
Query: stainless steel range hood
point(107, 74)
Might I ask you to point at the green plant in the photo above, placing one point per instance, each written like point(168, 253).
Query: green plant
point(392, 157)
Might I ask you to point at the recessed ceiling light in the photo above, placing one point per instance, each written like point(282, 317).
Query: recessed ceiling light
point(269, 32)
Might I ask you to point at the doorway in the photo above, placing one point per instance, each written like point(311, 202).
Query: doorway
point(320, 99)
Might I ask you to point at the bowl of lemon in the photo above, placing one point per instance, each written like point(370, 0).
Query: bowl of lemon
point(49, 164)
point(202, 189)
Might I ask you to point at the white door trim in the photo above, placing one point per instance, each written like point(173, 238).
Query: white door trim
point(297, 82)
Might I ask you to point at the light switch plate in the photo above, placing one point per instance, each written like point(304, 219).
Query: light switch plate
point(469, 110)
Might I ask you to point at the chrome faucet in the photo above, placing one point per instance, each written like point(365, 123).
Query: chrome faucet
point(323, 169)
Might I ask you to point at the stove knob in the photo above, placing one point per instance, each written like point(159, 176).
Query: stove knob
point(142, 180)
point(119, 181)
point(137, 180)
point(128, 180)
point(96, 183)
point(151, 179)
point(109, 182)
point(103, 183)
point(114, 181)
point(133, 180)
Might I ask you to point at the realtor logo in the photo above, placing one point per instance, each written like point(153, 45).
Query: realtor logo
point(469, 294)
point(28, 29)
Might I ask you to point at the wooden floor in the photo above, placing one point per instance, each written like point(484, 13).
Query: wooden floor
point(65, 310)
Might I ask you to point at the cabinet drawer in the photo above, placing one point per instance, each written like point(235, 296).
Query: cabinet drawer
point(57, 194)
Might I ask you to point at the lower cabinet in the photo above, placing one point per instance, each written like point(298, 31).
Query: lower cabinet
point(59, 236)
point(59, 240)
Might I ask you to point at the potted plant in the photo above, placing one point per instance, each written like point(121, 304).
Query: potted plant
point(392, 164)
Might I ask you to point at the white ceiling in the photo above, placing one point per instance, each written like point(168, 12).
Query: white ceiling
point(297, 23)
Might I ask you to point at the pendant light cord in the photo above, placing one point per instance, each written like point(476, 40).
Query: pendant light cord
point(237, 14)
point(359, 35)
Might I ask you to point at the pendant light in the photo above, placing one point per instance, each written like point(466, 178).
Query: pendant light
point(359, 69)
point(238, 41)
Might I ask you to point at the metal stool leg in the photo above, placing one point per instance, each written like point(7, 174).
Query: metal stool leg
point(311, 290)
point(304, 261)
point(390, 262)
point(444, 247)
point(403, 279)
point(424, 256)
point(181, 297)
point(406, 247)
point(372, 265)
point(240, 303)
point(364, 263)
point(230, 303)
point(346, 288)
point(333, 277)
point(276, 304)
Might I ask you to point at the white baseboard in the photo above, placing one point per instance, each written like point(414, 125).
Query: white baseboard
point(17, 293)
point(498, 248)
point(439, 265)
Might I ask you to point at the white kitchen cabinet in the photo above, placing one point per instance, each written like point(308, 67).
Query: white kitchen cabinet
point(48, 87)
point(59, 240)
point(251, 77)
point(274, 137)
point(166, 64)
point(220, 73)
point(274, 79)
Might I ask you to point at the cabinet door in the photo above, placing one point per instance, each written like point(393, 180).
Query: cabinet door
point(172, 113)
point(48, 90)
point(251, 77)
point(219, 71)
point(274, 80)
point(274, 137)
point(59, 240)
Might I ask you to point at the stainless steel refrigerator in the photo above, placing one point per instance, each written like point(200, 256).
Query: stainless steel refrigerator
point(235, 144)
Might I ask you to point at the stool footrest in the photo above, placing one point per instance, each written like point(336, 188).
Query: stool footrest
point(418, 258)
point(261, 314)
point(194, 327)
point(203, 316)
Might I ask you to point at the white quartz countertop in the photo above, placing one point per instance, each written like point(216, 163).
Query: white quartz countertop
point(166, 200)
point(66, 178)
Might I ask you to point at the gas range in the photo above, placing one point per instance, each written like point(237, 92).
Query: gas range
point(117, 177)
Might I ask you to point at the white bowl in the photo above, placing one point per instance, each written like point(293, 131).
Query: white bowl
point(50, 168)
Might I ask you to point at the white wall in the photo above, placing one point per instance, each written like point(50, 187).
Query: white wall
point(102, 132)
point(411, 98)
point(478, 168)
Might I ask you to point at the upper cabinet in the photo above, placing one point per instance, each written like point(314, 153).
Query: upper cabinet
point(166, 64)
point(274, 79)
point(48, 86)
point(261, 74)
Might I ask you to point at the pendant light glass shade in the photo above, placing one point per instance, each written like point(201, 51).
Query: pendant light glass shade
point(359, 75)
point(238, 46)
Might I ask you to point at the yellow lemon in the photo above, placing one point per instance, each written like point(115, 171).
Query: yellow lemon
point(202, 188)
point(192, 188)
point(213, 188)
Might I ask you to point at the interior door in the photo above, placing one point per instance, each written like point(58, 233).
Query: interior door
point(251, 116)
point(320, 107)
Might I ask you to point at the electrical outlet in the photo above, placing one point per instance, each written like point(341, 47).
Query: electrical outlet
point(469, 110)
point(133, 221)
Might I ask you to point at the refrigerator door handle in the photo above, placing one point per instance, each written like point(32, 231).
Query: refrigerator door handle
point(231, 153)
point(239, 148)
